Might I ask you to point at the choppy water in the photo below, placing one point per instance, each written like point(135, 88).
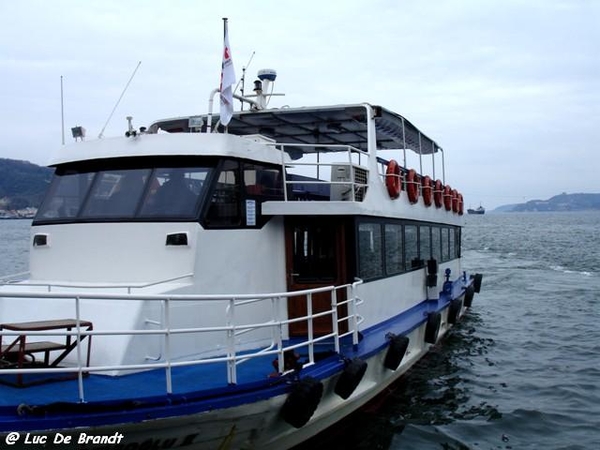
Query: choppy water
point(521, 371)
point(14, 246)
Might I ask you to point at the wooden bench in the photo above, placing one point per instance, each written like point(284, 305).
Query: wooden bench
point(14, 353)
point(32, 347)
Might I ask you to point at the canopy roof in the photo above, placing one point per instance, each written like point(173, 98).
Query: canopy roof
point(340, 124)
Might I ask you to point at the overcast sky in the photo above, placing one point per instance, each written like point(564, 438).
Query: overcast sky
point(510, 89)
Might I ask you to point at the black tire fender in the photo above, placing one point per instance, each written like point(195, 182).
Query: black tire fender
point(477, 282)
point(469, 294)
point(302, 402)
point(396, 351)
point(454, 310)
point(432, 329)
point(350, 378)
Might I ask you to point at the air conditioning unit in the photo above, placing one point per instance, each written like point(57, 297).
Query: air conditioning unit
point(346, 178)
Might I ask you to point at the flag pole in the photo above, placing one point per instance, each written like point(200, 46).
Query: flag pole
point(224, 40)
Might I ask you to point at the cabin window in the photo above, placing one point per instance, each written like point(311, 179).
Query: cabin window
point(445, 245)
point(425, 242)
point(370, 250)
point(239, 192)
point(394, 254)
point(264, 182)
point(124, 193)
point(173, 192)
point(453, 244)
point(115, 193)
point(225, 206)
point(436, 244)
point(391, 247)
point(65, 196)
point(411, 243)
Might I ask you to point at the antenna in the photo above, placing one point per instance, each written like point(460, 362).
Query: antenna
point(243, 79)
point(62, 111)
point(118, 101)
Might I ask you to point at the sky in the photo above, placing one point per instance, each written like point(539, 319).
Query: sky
point(510, 89)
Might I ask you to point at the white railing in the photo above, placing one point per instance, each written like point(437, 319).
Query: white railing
point(12, 280)
point(323, 161)
point(232, 329)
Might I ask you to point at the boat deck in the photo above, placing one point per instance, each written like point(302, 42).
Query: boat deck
point(206, 380)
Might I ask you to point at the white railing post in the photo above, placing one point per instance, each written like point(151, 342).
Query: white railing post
point(309, 312)
point(279, 335)
point(352, 288)
point(284, 174)
point(167, 322)
point(334, 320)
point(79, 362)
point(231, 370)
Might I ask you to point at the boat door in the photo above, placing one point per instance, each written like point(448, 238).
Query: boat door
point(316, 257)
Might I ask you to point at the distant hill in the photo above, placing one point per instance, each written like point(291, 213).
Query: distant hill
point(562, 202)
point(22, 184)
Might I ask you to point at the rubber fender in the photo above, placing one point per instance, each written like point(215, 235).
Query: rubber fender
point(434, 320)
point(350, 378)
point(302, 402)
point(454, 310)
point(469, 294)
point(477, 282)
point(431, 280)
point(432, 266)
point(396, 351)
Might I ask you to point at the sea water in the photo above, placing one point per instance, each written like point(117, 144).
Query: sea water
point(522, 368)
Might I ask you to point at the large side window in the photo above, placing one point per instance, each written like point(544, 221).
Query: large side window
point(453, 253)
point(411, 243)
point(394, 253)
point(436, 244)
point(425, 241)
point(370, 250)
point(445, 245)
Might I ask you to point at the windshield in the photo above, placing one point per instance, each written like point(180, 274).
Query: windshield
point(147, 193)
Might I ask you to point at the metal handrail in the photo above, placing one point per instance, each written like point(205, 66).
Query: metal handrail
point(321, 149)
point(232, 357)
point(127, 287)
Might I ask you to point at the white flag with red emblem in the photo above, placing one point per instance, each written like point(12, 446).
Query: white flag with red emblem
point(227, 82)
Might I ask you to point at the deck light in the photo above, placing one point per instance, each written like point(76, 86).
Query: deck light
point(78, 132)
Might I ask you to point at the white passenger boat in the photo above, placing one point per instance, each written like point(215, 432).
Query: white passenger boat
point(198, 287)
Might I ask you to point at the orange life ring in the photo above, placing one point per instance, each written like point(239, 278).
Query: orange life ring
point(393, 179)
point(426, 190)
point(447, 198)
point(412, 186)
point(461, 204)
point(437, 193)
point(454, 200)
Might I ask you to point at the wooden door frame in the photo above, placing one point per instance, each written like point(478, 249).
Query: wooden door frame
point(297, 305)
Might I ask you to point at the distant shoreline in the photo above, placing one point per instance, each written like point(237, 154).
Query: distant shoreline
point(559, 203)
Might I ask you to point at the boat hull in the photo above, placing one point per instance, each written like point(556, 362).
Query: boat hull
point(255, 425)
